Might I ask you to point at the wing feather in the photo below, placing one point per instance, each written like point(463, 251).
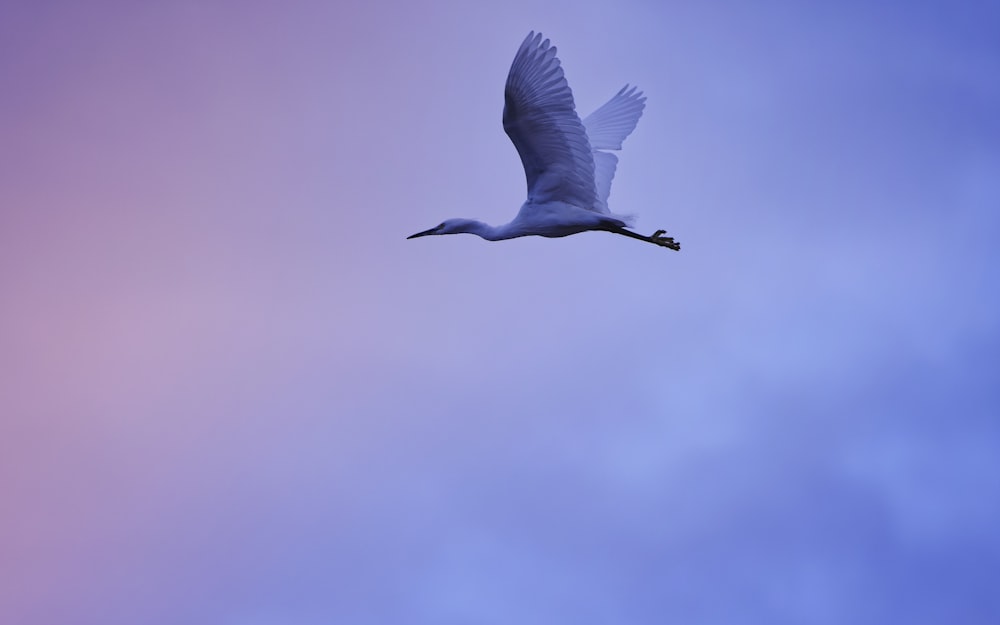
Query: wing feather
point(540, 118)
point(605, 164)
point(606, 128)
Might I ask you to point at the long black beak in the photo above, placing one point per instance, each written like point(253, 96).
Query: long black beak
point(422, 234)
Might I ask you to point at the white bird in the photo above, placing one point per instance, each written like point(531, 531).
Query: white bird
point(568, 170)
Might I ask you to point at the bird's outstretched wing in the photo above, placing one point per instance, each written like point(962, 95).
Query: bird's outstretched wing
point(605, 164)
point(606, 128)
point(540, 118)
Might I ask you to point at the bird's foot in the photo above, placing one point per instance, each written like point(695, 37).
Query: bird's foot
point(659, 239)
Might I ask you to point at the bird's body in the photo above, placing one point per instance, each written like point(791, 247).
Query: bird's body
point(548, 219)
point(566, 162)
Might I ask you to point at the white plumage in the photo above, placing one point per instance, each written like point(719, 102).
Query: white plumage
point(566, 165)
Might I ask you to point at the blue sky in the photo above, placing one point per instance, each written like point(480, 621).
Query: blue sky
point(234, 394)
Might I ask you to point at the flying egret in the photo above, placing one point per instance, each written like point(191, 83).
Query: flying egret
point(568, 170)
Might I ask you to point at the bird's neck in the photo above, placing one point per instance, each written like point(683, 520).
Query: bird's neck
point(484, 230)
point(494, 233)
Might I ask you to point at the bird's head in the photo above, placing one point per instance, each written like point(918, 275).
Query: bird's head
point(448, 226)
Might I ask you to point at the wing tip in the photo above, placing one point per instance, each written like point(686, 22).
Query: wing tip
point(534, 40)
point(631, 92)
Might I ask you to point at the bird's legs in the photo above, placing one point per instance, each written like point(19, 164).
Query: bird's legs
point(656, 238)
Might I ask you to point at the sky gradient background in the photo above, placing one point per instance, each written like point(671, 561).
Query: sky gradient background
point(231, 393)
